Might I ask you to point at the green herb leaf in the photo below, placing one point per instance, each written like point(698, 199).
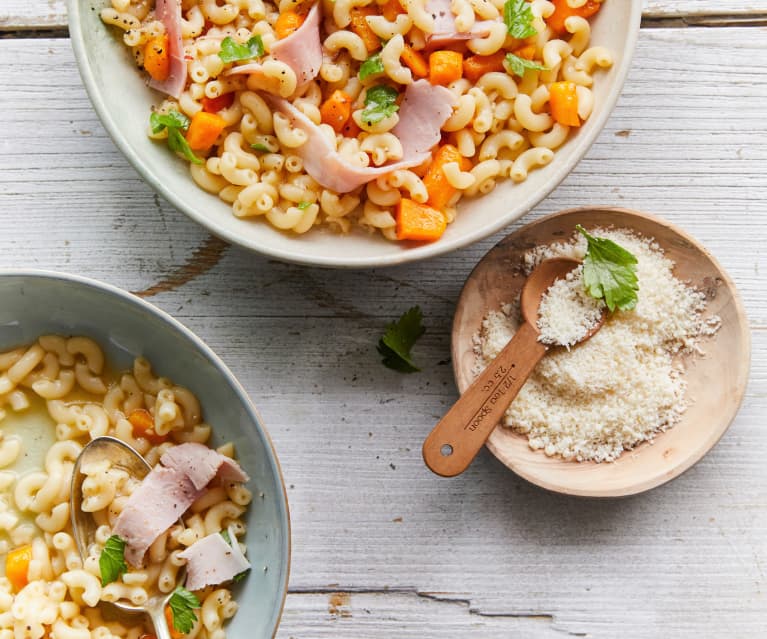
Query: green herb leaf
point(399, 338)
point(372, 66)
point(260, 147)
point(303, 205)
point(178, 144)
point(171, 120)
point(379, 103)
point(225, 535)
point(240, 576)
point(609, 272)
point(518, 16)
point(232, 51)
point(182, 603)
point(112, 560)
point(519, 65)
point(175, 122)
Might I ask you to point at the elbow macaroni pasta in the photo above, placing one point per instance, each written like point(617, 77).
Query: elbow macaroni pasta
point(68, 379)
point(499, 117)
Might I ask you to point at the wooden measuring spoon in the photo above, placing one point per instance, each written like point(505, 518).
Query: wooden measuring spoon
point(458, 436)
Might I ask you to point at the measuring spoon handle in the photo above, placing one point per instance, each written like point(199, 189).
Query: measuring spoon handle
point(458, 436)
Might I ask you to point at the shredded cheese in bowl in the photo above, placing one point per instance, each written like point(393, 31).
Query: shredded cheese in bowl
point(623, 385)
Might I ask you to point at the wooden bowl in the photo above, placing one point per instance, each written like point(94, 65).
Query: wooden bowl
point(716, 381)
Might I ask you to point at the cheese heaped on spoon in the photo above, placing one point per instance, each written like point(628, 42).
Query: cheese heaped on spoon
point(167, 492)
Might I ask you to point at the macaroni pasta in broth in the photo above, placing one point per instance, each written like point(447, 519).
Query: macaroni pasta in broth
point(48, 590)
point(379, 114)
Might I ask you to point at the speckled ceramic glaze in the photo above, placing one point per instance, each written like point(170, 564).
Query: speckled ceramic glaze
point(122, 100)
point(38, 302)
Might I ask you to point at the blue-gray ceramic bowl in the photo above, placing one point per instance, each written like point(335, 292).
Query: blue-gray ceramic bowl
point(39, 302)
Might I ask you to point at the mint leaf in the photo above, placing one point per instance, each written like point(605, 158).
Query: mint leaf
point(518, 16)
point(372, 66)
point(399, 338)
point(303, 205)
point(171, 120)
point(182, 603)
point(609, 272)
point(232, 51)
point(112, 560)
point(379, 103)
point(225, 535)
point(175, 122)
point(519, 65)
point(260, 147)
point(240, 576)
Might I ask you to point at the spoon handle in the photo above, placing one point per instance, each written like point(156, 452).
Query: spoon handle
point(458, 436)
point(159, 621)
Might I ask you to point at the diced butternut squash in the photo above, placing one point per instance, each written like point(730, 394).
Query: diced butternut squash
point(157, 58)
point(391, 10)
point(288, 22)
point(419, 222)
point(415, 62)
point(360, 26)
point(563, 100)
point(17, 566)
point(204, 130)
point(527, 52)
point(143, 426)
point(562, 11)
point(439, 189)
point(474, 67)
point(336, 110)
point(445, 67)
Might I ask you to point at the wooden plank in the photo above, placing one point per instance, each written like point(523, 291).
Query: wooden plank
point(485, 554)
point(52, 14)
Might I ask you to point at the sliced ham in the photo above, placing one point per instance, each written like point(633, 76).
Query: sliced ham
point(167, 492)
point(201, 464)
point(423, 112)
point(212, 561)
point(169, 13)
point(163, 496)
point(424, 109)
point(301, 51)
point(445, 30)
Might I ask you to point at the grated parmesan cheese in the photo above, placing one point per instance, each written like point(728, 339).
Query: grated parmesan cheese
point(567, 312)
point(622, 386)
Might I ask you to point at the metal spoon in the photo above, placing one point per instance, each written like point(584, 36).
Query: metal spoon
point(458, 436)
point(121, 455)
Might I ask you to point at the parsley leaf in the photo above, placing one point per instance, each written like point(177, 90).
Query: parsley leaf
point(372, 66)
point(182, 603)
point(518, 17)
point(399, 338)
point(226, 536)
point(519, 65)
point(240, 576)
point(112, 560)
point(260, 147)
point(609, 272)
point(232, 51)
point(303, 205)
point(175, 122)
point(379, 103)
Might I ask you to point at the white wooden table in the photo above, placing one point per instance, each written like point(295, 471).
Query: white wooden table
point(381, 547)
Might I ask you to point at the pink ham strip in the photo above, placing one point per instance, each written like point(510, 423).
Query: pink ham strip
point(301, 50)
point(212, 561)
point(201, 464)
point(163, 496)
point(169, 13)
point(167, 492)
point(445, 32)
point(424, 109)
point(328, 167)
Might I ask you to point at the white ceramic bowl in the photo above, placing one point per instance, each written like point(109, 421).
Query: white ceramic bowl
point(122, 100)
point(35, 303)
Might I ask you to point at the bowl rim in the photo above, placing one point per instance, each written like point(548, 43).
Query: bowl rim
point(689, 461)
point(221, 367)
point(411, 254)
